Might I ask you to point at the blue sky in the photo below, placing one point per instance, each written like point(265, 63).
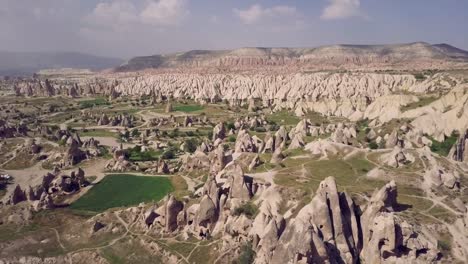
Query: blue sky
point(126, 28)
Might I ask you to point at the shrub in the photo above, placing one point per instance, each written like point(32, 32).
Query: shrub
point(260, 129)
point(444, 245)
point(362, 123)
point(232, 138)
point(190, 145)
point(247, 255)
point(274, 127)
point(248, 209)
point(373, 145)
point(168, 154)
point(419, 76)
point(135, 133)
point(230, 125)
point(174, 133)
point(443, 148)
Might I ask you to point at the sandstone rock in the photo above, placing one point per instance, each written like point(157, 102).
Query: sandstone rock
point(219, 131)
point(168, 108)
point(277, 156)
point(458, 150)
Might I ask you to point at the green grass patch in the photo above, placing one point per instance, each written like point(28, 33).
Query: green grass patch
point(98, 133)
point(22, 160)
point(181, 247)
point(188, 108)
point(422, 102)
point(284, 117)
point(93, 102)
point(443, 148)
point(149, 155)
point(117, 190)
point(360, 164)
point(204, 254)
point(247, 254)
point(248, 209)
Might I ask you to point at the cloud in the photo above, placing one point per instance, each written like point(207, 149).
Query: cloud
point(256, 13)
point(164, 12)
point(342, 9)
point(122, 14)
point(115, 14)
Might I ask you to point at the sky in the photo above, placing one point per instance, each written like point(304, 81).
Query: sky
point(128, 28)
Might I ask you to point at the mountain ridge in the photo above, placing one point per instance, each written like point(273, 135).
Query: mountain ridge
point(331, 55)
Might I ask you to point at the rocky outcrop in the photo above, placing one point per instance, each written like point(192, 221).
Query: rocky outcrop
point(417, 55)
point(219, 131)
point(325, 229)
point(459, 149)
point(438, 176)
point(397, 158)
point(387, 238)
point(54, 185)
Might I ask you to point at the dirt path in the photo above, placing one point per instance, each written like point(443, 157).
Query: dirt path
point(57, 235)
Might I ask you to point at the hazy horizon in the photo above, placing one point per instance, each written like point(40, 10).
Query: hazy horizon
point(129, 28)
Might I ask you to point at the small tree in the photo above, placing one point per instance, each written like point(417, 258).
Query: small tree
point(190, 145)
point(247, 254)
point(168, 154)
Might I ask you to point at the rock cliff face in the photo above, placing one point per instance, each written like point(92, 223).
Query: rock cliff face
point(411, 55)
point(310, 86)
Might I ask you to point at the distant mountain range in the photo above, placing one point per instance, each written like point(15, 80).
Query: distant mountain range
point(410, 55)
point(333, 56)
point(18, 63)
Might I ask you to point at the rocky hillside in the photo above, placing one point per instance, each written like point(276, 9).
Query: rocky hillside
point(412, 55)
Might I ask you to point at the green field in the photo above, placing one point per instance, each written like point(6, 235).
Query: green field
point(94, 102)
point(98, 133)
point(284, 117)
point(443, 148)
point(188, 108)
point(117, 190)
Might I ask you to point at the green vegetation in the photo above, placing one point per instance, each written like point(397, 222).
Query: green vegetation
point(204, 254)
point(444, 243)
point(22, 160)
point(360, 164)
point(419, 76)
point(182, 247)
point(422, 102)
point(248, 209)
point(306, 174)
point(2, 192)
point(188, 108)
point(190, 145)
point(118, 190)
point(135, 154)
point(180, 186)
point(247, 255)
point(169, 153)
point(373, 145)
point(443, 148)
point(97, 133)
point(284, 117)
point(92, 103)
